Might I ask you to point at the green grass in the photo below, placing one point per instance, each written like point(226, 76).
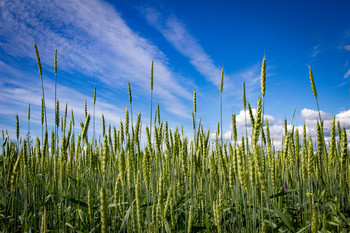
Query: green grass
point(175, 183)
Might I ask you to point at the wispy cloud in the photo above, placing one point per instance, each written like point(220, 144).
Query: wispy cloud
point(251, 76)
point(16, 94)
point(347, 47)
point(315, 50)
point(177, 34)
point(347, 74)
point(103, 46)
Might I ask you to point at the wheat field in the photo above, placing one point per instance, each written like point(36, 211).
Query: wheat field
point(72, 182)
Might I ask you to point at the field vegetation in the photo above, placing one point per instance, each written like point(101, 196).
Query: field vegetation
point(69, 181)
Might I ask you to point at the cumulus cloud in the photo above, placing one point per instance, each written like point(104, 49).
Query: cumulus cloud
point(312, 115)
point(310, 118)
point(277, 128)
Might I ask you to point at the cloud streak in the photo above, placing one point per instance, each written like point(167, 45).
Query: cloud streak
point(17, 94)
point(103, 46)
point(177, 34)
point(347, 74)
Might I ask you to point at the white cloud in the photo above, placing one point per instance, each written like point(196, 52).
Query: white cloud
point(177, 34)
point(347, 47)
point(347, 74)
point(311, 116)
point(315, 50)
point(344, 118)
point(308, 114)
point(14, 99)
point(93, 39)
point(277, 129)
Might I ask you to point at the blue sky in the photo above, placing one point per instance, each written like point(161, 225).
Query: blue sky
point(110, 43)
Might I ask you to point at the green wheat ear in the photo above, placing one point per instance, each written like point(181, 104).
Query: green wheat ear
point(86, 126)
point(17, 127)
point(38, 60)
point(194, 101)
point(103, 125)
point(129, 91)
point(222, 80)
point(152, 76)
point(28, 111)
point(85, 109)
point(312, 83)
point(244, 97)
point(72, 117)
point(263, 77)
point(57, 114)
point(95, 95)
point(42, 111)
point(234, 127)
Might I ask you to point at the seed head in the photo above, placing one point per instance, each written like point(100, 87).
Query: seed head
point(57, 115)
point(42, 111)
point(129, 89)
point(72, 117)
point(103, 125)
point(95, 95)
point(244, 98)
point(344, 146)
point(251, 115)
point(85, 109)
point(193, 121)
point(45, 144)
point(158, 114)
point(121, 132)
point(126, 121)
point(234, 128)
point(17, 127)
point(258, 119)
point(86, 126)
point(15, 172)
point(65, 116)
point(222, 80)
point(194, 101)
point(38, 60)
point(312, 83)
point(28, 112)
point(263, 77)
point(268, 133)
point(138, 124)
